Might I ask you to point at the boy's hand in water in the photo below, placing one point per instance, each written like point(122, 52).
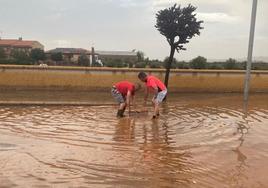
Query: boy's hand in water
point(144, 109)
point(154, 117)
point(145, 103)
point(136, 111)
point(139, 110)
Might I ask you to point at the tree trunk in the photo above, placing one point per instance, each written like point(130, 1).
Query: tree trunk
point(172, 51)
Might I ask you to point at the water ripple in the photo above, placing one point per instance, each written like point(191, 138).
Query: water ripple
point(190, 145)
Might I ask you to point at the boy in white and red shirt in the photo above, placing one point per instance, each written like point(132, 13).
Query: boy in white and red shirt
point(155, 86)
point(124, 92)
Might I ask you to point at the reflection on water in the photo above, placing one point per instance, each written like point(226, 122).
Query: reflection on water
point(197, 142)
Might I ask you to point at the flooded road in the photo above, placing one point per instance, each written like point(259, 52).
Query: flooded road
point(198, 141)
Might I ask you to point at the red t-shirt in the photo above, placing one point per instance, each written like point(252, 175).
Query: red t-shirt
point(153, 82)
point(125, 86)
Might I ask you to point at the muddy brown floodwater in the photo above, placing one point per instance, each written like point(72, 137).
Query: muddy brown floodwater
point(198, 141)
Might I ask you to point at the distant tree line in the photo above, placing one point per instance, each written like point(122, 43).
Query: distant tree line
point(22, 57)
point(37, 56)
point(201, 63)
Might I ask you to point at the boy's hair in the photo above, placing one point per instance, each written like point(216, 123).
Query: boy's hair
point(142, 75)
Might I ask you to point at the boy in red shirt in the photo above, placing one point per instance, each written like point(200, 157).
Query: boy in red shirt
point(155, 86)
point(124, 92)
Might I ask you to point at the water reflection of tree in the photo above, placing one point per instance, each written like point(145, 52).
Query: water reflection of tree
point(169, 166)
point(156, 155)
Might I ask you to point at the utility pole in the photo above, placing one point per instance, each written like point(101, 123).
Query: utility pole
point(92, 58)
point(250, 49)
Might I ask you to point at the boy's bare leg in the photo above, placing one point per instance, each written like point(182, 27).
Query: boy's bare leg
point(121, 110)
point(156, 108)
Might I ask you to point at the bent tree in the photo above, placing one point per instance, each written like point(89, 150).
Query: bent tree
point(178, 25)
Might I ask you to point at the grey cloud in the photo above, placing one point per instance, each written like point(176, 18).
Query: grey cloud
point(129, 24)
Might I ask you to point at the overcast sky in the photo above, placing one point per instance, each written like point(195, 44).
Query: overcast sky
point(129, 24)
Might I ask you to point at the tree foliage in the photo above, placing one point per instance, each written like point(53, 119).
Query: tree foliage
point(140, 65)
point(20, 57)
point(173, 64)
point(57, 56)
point(155, 64)
point(140, 56)
point(198, 63)
point(2, 53)
point(37, 54)
point(83, 60)
point(119, 63)
point(230, 64)
point(178, 24)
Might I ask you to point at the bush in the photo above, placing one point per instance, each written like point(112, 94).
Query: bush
point(37, 55)
point(57, 56)
point(230, 64)
point(115, 63)
point(2, 53)
point(244, 65)
point(215, 66)
point(20, 58)
point(7, 61)
point(155, 64)
point(96, 64)
point(130, 64)
point(198, 63)
point(173, 64)
point(83, 60)
point(182, 65)
point(260, 66)
point(140, 65)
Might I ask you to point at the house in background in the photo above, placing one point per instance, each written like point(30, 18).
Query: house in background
point(69, 54)
point(72, 55)
point(18, 44)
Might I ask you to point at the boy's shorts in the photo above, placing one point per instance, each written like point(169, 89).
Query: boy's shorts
point(161, 96)
point(117, 95)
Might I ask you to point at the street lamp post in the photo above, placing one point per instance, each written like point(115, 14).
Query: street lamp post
point(250, 49)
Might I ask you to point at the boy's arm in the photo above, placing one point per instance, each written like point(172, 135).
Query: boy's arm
point(128, 101)
point(133, 101)
point(146, 95)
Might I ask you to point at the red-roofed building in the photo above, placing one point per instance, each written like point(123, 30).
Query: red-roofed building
point(70, 54)
point(24, 45)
